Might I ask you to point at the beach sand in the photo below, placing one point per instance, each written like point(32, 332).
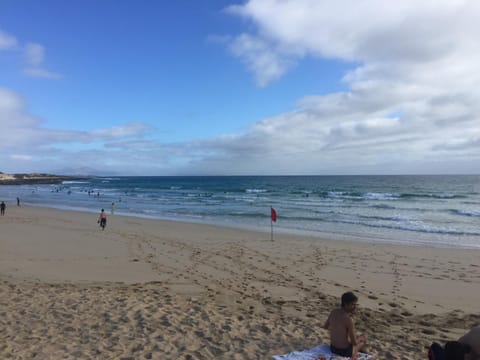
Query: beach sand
point(149, 289)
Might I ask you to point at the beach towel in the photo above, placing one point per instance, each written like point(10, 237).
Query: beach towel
point(317, 352)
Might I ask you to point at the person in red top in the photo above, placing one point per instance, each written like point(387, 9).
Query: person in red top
point(102, 219)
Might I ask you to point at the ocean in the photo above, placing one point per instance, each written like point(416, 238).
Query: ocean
point(439, 211)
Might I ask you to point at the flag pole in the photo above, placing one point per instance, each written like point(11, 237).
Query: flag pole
point(271, 227)
point(273, 218)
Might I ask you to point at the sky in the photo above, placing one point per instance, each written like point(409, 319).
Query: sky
point(258, 87)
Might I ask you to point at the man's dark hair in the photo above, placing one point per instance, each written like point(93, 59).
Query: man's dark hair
point(455, 350)
point(348, 298)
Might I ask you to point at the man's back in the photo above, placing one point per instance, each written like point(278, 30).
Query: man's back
point(339, 324)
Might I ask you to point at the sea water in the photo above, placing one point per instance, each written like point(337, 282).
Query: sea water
point(441, 211)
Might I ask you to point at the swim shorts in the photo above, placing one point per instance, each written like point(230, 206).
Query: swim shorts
point(347, 352)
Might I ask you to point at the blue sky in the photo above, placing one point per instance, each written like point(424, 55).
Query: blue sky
point(239, 87)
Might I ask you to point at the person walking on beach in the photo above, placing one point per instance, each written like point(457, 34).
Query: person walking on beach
point(102, 219)
point(18, 201)
point(112, 209)
point(2, 208)
point(343, 340)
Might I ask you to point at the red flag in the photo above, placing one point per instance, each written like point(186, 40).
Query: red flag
point(273, 214)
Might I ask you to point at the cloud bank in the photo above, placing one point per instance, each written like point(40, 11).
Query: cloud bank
point(26, 145)
point(412, 100)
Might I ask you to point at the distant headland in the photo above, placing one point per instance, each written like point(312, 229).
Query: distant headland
point(35, 178)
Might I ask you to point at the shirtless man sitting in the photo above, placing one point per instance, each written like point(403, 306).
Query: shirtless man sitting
point(343, 340)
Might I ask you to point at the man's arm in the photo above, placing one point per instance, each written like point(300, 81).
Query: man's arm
point(351, 331)
point(327, 323)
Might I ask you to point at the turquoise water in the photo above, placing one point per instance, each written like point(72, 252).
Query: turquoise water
point(420, 210)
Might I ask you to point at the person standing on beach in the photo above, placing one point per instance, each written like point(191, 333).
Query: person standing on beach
point(18, 201)
point(112, 209)
point(102, 219)
point(2, 208)
point(343, 340)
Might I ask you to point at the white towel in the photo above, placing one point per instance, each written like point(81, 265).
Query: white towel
point(316, 352)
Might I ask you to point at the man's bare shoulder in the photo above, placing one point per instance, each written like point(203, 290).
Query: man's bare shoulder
point(339, 314)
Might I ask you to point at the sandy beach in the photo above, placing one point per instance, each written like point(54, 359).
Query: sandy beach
point(150, 289)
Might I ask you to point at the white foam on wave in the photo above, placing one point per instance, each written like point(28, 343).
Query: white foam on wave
point(67, 182)
point(467, 212)
point(380, 196)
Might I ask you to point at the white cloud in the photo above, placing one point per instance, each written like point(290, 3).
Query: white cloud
point(362, 30)
point(34, 53)
point(372, 32)
point(33, 57)
point(416, 60)
point(25, 145)
point(20, 157)
point(41, 73)
point(7, 41)
point(12, 112)
point(260, 57)
point(124, 131)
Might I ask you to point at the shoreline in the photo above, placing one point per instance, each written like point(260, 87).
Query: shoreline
point(225, 292)
point(439, 212)
point(356, 238)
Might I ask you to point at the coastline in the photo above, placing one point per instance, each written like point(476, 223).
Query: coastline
point(174, 289)
point(442, 211)
point(36, 179)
